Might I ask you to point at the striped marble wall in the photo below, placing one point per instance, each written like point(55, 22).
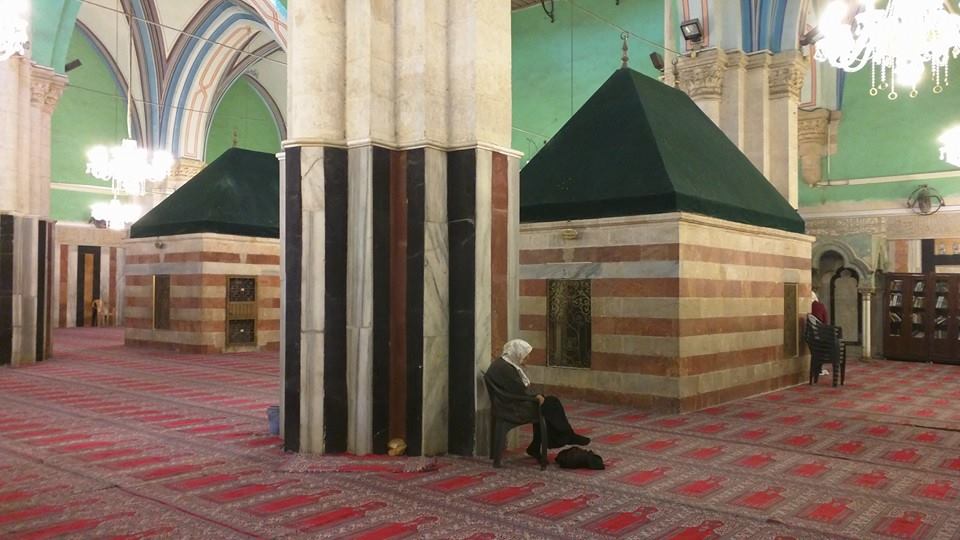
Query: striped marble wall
point(198, 266)
point(687, 311)
point(104, 246)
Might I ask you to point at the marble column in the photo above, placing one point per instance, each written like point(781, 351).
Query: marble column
point(46, 87)
point(757, 111)
point(702, 77)
point(15, 118)
point(733, 103)
point(28, 95)
point(866, 296)
point(787, 70)
point(398, 233)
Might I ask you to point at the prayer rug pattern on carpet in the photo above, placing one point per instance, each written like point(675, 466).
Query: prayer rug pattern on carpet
point(105, 441)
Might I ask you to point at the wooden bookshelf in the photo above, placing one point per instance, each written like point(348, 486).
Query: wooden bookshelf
point(922, 317)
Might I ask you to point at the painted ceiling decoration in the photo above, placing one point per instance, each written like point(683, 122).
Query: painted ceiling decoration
point(187, 54)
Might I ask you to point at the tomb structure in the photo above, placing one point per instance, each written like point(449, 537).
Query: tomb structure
point(203, 267)
point(658, 267)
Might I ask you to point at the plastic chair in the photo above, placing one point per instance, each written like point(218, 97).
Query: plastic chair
point(826, 347)
point(501, 424)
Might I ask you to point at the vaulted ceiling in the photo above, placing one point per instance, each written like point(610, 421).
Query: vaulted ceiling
point(185, 55)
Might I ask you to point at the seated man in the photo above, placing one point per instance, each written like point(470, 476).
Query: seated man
point(507, 373)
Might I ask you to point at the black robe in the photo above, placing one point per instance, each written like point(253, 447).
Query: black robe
point(508, 379)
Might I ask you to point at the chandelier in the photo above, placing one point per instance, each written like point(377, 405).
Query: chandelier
point(128, 167)
point(898, 41)
point(14, 17)
point(950, 146)
point(116, 214)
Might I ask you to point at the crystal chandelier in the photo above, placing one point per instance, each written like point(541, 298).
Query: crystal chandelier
point(898, 41)
point(14, 21)
point(128, 167)
point(950, 146)
point(116, 214)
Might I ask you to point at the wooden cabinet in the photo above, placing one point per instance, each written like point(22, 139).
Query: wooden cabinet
point(923, 317)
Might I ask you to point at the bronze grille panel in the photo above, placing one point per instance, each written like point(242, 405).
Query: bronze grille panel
point(568, 325)
point(242, 332)
point(241, 310)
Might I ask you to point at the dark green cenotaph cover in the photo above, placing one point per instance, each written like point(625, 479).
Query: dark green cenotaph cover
point(640, 147)
point(239, 193)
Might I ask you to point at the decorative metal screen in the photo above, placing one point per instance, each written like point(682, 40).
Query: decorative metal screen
point(241, 332)
point(241, 310)
point(791, 315)
point(242, 289)
point(161, 302)
point(568, 323)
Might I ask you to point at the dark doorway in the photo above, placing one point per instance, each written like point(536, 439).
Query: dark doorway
point(88, 284)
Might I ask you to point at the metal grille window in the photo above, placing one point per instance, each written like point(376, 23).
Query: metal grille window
point(241, 310)
point(568, 324)
point(161, 302)
point(791, 329)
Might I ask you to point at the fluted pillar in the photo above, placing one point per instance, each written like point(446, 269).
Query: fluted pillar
point(399, 202)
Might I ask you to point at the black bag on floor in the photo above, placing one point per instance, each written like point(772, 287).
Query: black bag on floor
point(579, 458)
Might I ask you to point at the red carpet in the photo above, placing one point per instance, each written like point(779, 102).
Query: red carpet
point(109, 442)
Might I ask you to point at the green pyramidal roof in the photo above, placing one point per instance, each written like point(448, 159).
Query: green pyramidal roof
point(637, 147)
point(239, 193)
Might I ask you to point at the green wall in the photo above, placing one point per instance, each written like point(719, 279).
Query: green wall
point(878, 137)
point(91, 112)
point(558, 66)
point(243, 115)
point(51, 28)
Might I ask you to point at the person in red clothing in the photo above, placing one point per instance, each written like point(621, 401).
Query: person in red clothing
point(818, 310)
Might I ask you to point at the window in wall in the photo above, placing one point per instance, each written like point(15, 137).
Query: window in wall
point(161, 302)
point(568, 324)
point(241, 310)
point(791, 330)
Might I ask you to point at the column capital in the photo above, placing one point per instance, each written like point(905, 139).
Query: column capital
point(787, 73)
point(758, 60)
point(46, 87)
point(814, 130)
point(701, 76)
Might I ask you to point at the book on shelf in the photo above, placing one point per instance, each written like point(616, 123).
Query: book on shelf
point(940, 321)
point(942, 302)
point(917, 318)
point(896, 300)
point(918, 302)
point(940, 334)
point(895, 286)
point(918, 287)
point(918, 333)
point(942, 287)
point(895, 317)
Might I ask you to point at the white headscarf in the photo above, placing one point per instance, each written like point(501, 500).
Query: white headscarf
point(515, 352)
point(815, 297)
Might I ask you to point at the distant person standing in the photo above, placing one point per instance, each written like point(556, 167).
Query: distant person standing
point(818, 310)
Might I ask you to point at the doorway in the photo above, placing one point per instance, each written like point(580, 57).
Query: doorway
point(88, 284)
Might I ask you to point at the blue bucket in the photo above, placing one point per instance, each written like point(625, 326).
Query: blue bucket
point(273, 419)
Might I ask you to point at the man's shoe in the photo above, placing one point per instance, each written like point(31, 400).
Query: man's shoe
point(579, 440)
point(534, 451)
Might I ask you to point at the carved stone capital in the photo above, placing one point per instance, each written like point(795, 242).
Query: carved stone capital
point(46, 87)
point(185, 169)
point(816, 131)
point(701, 77)
point(787, 73)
